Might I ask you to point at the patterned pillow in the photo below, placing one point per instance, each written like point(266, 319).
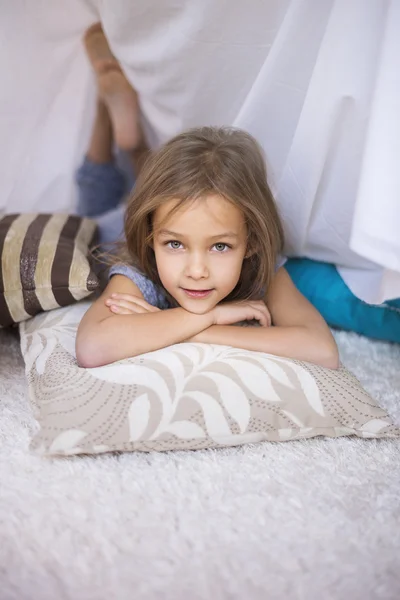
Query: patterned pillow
point(44, 263)
point(187, 396)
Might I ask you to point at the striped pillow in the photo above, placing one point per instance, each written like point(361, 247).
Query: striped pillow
point(44, 263)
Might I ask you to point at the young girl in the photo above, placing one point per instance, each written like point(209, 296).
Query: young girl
point(203, 238)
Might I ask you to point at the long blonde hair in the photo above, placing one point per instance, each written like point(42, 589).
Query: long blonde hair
point(199, 162)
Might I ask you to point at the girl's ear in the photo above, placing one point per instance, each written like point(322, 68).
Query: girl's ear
point(250, 251)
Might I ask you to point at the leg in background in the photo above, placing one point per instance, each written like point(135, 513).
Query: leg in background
point(101, 141)
point(138, 157)
point(114, 89)
point(101, 185)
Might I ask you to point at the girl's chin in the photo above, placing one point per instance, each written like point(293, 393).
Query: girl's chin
point(197, 307)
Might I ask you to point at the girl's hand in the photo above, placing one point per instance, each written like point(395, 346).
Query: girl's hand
point(245, 310)
point(126, 304)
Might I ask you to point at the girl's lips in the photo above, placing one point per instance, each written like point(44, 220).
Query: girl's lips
point(197, 293)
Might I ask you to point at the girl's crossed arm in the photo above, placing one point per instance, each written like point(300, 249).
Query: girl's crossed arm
point(300, 331)
point(104, 337)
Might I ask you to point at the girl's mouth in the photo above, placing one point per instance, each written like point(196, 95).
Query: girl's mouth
point(197, 293)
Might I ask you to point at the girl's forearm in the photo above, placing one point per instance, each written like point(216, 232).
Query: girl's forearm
point(124, 336)
point(301, 343)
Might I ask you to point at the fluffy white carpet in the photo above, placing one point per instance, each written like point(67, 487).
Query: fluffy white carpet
point(318, 519)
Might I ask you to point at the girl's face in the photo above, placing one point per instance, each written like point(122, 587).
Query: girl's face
point(199, 251)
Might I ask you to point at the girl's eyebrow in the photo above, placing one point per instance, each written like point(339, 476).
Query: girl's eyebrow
point(225, 234)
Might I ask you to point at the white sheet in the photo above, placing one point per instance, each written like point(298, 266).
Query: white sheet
point(46, 98)
point(317, 82)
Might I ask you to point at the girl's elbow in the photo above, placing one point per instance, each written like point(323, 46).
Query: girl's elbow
point(330, 357)
point(324, 349)
point(331, 362)
point(88, 352)
point(85, 357)
point(94, 348)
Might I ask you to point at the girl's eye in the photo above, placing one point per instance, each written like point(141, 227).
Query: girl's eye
point(220, 247)
point(174, 244)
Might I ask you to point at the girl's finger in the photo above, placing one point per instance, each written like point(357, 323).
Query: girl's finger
point(264, 310)
point(123, 303)
point(127, 306)
point(262, 318)
point(117, 298)
point(129, 298)
point(267, 318)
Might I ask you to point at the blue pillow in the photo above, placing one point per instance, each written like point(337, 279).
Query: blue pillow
point(322, 285)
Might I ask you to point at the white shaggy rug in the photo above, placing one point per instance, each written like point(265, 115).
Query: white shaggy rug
point(317, 519)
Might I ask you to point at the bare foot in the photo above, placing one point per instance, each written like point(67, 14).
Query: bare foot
point(114, 90)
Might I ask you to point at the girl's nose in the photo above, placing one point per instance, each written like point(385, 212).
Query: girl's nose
point(197, 268)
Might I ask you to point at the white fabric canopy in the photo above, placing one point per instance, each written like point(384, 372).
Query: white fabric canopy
point(316, 81)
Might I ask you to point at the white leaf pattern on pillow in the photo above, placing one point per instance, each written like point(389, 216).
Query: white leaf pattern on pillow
point(34, 347)
point(185, 430)
point(138, 417)
point(255, 378)
point(46, 353)
point(274, 370)
point(128, 373)
point(57, 327)
point(213, 414)
point(193, 352)
point(373, 426)
point(201, 354)
point(285, 434)
point(343, 431)
point(100, 448)
point(308, 385)
point(66, 441)
point(195, 355)
point(293, 418)
point(304, 431)
point(175, 364)
point(232, 397)
point(310, 389)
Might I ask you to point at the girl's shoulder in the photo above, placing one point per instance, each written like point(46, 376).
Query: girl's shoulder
point(152, 293)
